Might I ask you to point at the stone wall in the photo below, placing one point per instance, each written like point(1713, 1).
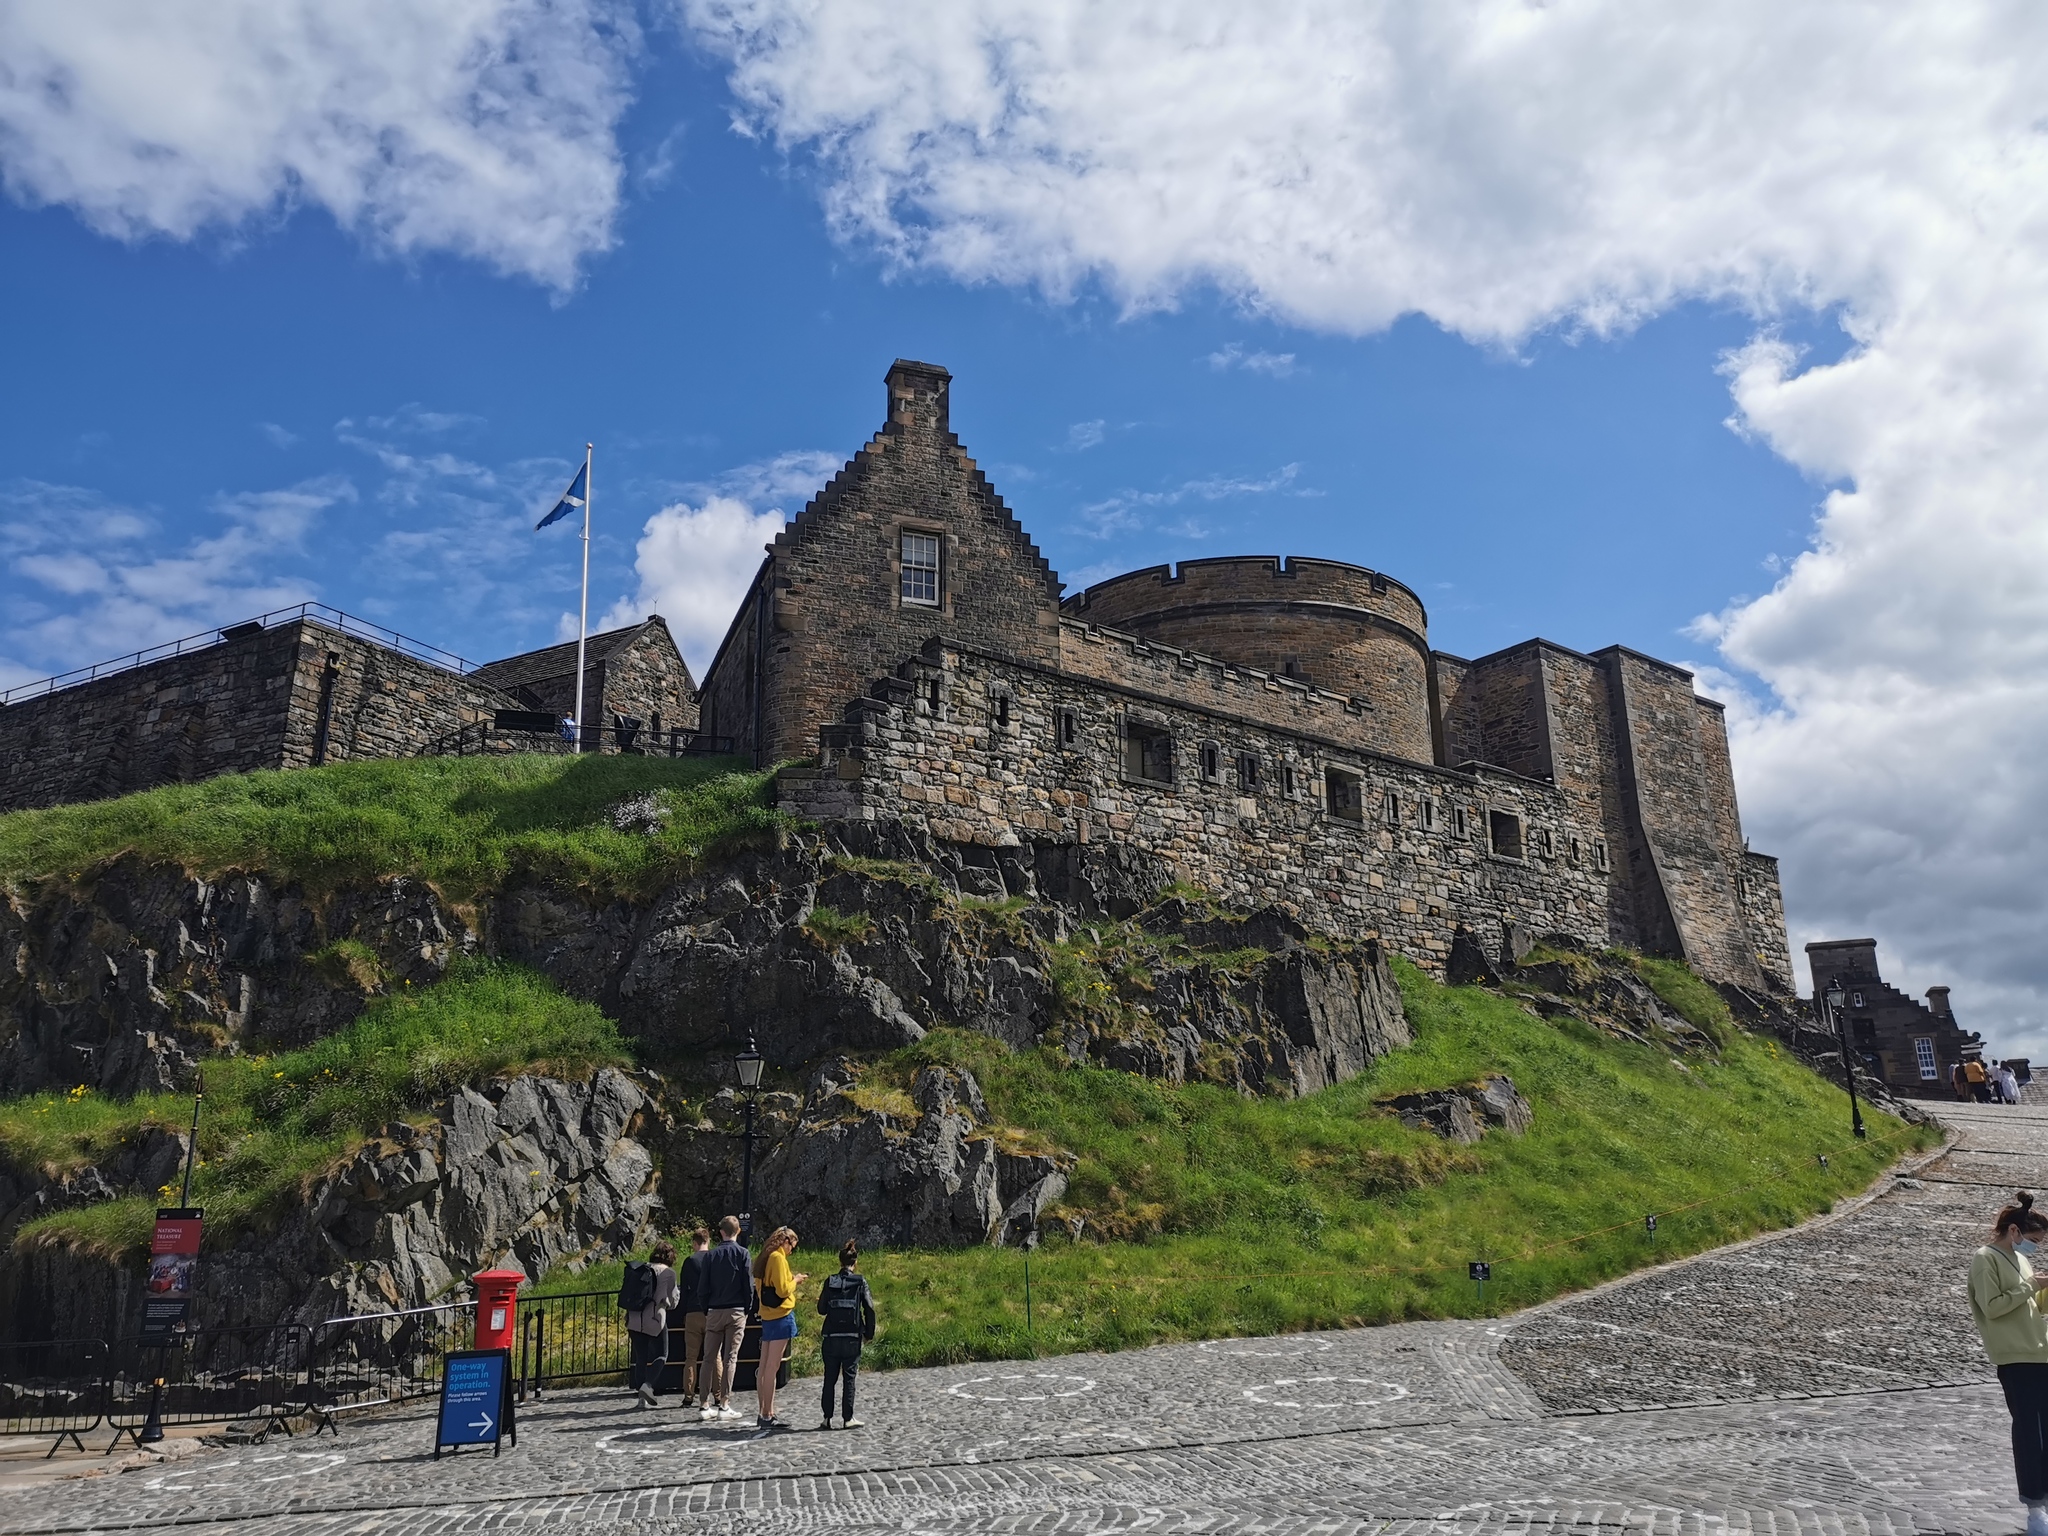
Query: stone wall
point(1686, 848)
point(1339, 627)
point(1763, 910)
point(256, 700)
point(646, 679)
point(1014, 752)
point(835, 610)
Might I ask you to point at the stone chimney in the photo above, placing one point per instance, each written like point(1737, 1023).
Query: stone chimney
point(1937, 1002)
point(917, 395)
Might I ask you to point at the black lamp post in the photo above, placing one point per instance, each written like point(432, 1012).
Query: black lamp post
point(748, 1064)
point(1833, 998)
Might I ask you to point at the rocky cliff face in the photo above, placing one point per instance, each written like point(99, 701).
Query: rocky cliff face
point(532, 1171)
point(841, 944)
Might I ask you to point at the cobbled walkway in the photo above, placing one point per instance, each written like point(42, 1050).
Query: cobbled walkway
point(1821, 1380)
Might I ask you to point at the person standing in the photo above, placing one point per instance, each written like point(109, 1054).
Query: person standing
point(656, 1290)
point(849, 1312)
point(2008, 1084)
point(2005, 1301)
point(725, 1289)
point(778, 1317)
point(693, 1314)
point(1980, 1085)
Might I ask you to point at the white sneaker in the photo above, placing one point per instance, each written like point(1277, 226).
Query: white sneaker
point(2037, 1520)
point(647, 1397)
point(706, 1412)
point(854, 1424)
point(727, 1411)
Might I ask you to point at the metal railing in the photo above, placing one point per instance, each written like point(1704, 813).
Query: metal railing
point(54, 1388)
point(333, 618)
point(486, 738)
point(210, 1376)
point(374, 1358)
point(579, 1336)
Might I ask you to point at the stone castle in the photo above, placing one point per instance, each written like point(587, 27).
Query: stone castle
point(1280, 730)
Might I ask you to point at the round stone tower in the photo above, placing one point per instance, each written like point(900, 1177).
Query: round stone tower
point(1322, 622)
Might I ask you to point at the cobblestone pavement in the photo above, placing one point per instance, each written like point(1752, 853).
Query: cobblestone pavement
point(1821, 1380)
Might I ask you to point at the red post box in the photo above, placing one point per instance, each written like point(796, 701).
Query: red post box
point(496, 1293)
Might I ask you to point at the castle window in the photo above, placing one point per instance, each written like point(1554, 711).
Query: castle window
point(1855, 999)
point(1247, 774)
point(921, 569)
point(931, 693)
point(1506, 830)
point(1540, 838)
point(1069, 728)
point(1923, 1052)
point(1290, 666)
point(1287, 780)
point(1148, 752)
point(1428, 811)
point(1344, 794)
point(1574, 845)
point(1002, 711)
point(1599, 854)
point(1390, 809)
point(1212, 762)
point(1461, 825)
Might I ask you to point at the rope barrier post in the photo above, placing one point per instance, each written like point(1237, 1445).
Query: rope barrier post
point(1650, 1226)
point(1481, 1271)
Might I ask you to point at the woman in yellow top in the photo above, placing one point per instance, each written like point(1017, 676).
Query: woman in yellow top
point(2005, 1299)
point(777, 1287)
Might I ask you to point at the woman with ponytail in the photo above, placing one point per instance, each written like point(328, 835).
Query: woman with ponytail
point(2005, 1299)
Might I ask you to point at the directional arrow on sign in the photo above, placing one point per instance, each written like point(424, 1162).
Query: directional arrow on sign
point(482, 1421)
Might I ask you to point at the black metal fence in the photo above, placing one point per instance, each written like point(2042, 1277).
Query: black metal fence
point(55, 1388)
point(579, 1337)
point(492, 738)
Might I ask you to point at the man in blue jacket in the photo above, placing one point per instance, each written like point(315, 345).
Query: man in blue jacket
point(725, 1289)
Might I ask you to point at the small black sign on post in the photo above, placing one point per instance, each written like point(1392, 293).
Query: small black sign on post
point(1650, 1226)
point(476, 1400)
point(1481, 1271)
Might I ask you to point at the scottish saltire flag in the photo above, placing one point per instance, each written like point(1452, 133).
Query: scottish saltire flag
point(572, 498)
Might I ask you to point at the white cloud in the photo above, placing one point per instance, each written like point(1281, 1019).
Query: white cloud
point(696, 555)
point(1502, 166)
point(1124, 512)
point(88, 585)
point(277, 436)
point(1275, 365)
point(482, 128)
point(1083, 435)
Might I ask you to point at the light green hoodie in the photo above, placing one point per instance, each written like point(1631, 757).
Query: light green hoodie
point(2008, 1308)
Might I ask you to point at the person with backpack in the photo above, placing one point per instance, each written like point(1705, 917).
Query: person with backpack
point(693, 1313)
point(849, 1312)
point(2007, 1305)
point(778, 1317)
point(647, 1293)
point(725, 1290)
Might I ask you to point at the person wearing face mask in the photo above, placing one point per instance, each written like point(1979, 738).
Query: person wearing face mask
point(2005, 1299)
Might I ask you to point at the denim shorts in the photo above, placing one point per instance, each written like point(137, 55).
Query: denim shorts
point(778, 1327)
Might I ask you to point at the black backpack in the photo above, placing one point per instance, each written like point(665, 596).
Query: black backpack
point(839, 1300)
point(636, 1291)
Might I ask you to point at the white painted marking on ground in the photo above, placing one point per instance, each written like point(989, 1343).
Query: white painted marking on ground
point(211, 1475)
point(1021, 1387)
point(1325, 1392)
point(1268, 1349)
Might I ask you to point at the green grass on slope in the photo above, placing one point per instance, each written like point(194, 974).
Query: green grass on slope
point(271, 1124)
point(1262, 1216)
point(461, 823)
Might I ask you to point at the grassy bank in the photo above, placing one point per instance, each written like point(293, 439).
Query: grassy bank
point(273, 1124)
point(461, 823)
point(1243, 1216)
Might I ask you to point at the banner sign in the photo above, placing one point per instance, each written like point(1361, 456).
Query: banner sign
point(173, 1270)
point(476, 1400)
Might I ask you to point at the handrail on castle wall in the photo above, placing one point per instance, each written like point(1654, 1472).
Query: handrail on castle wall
point(334, 618)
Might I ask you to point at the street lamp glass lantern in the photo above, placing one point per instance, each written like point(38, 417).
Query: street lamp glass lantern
point(1835, 996)
point(749, 1064)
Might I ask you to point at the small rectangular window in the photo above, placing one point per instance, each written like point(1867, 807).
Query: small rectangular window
point(1599, 854)
point(1344, 794)
point(1247, 774)
point(1390, 809)
point(1287, 780)
point(921, 569)
point(1506, 830)
point(1575, 850)
point(1539, 837)
point(1923, 1051)
point(1148, 753)
point(1212, 762)
point(1291, 667)
point(1428, 808)
point(1461, 826)
point(1002, 711)
point(931, 693)
point(1069, 728)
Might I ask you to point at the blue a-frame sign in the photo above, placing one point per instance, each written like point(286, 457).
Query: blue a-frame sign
point(476, 1400)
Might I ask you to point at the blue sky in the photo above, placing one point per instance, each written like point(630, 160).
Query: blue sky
point(1604, 320)
point(1584, 490)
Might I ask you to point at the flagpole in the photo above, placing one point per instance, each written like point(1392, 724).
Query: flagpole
point(583, 615)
